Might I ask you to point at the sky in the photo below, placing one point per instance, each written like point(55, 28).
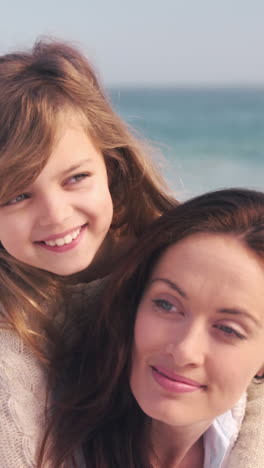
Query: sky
point(149, 42)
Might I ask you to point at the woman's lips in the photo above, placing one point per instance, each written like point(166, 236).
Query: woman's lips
point(174, 382)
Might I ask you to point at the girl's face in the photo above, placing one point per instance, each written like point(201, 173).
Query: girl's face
point(60, 221)
point(199, 331)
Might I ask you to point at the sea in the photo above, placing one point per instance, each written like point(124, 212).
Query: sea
point(201, 138)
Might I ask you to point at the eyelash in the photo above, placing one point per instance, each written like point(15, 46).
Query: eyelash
point(15, 201)
point(163, 304)
point(229, 331)
point(78, 177)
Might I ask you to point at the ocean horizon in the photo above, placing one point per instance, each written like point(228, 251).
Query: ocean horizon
point(203, 138)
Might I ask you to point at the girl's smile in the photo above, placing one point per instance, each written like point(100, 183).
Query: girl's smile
point(64, 241)
point(67, 210)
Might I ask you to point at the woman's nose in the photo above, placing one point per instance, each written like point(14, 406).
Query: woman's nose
point(190, 347)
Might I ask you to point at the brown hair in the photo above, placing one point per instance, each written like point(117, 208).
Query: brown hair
point(101, 415)
point(37, 89)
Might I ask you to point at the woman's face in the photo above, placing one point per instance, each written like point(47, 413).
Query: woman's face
point(199, 331)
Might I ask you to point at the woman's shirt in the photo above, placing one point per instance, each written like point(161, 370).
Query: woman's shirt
point(219, 439)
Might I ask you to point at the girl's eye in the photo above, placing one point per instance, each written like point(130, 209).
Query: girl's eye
point(164, 305)
point(77, 178)
point(229, 331)
point(18, 199)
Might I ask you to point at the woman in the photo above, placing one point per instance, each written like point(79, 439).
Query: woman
point(178, 338)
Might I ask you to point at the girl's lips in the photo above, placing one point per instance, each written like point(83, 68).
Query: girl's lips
point(61, 234)
point(66, 247)
point(173, 382)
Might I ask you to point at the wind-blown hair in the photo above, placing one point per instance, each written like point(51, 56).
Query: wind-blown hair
point(39, 90)
point(99, 411)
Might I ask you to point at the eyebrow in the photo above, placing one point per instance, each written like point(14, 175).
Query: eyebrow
point(76, 166)
point(171, 284)
point(241, 312)
point(224, 310)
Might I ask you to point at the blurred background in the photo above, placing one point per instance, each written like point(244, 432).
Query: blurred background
point(187, 75)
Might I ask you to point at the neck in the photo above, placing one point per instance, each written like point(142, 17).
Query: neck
point(105, 260)
point(178, 446)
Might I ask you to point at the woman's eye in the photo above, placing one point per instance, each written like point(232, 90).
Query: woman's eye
point(229, 331)
point(18, 199)
point(164, 305)
point(77, 178)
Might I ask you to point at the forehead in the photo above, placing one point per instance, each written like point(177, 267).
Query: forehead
point(214, 264)
point(68, 118)
point(66, 140)
point(206, 249)
point(74, 151)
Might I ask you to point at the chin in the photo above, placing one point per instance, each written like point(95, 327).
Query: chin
point(70, 272)
point(64, 271)
point(165, 414)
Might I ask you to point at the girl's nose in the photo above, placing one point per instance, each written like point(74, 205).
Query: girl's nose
point(54, 210)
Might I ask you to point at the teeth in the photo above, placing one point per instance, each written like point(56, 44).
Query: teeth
point(52, 243)
point(64, 240)
point(75, 234)
point(68, 239)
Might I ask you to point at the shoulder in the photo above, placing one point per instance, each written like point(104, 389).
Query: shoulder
point(90, 292)
point(18, 363)
point(83, 299)
point(249, 449)
point(23, 401)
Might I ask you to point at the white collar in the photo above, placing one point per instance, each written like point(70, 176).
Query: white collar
point(222, 434)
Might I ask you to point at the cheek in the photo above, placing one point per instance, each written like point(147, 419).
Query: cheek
point(234, 371)
point(108, 203)
point(106, 212)
point(142, 350)
point(150, 335)
point(253, 358)
point(12, 231)
point(100, 198)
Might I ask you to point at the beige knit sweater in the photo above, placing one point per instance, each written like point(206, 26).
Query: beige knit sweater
point(23, 402)
point(248, 451)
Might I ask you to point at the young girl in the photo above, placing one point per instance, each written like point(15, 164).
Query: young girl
point(176, 342)
point(76, 190)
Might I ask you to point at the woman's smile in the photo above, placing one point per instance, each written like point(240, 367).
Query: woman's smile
point(173, 382)
point(198, 330)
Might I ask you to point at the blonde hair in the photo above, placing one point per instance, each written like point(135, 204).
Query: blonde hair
point(37, 87)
